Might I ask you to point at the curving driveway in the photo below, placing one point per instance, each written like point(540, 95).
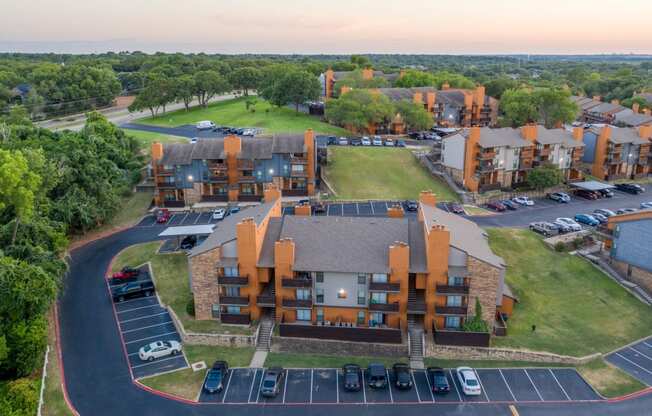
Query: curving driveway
point(97, 374)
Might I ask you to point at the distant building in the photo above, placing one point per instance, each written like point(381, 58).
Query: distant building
point(20, 92)
point(330, 77)
point(594, 111)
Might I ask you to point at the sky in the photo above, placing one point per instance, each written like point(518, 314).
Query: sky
point(328, 26)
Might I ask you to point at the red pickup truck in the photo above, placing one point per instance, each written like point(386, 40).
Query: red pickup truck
point(162, 216)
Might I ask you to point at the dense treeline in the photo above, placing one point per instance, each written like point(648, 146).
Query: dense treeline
point(52, 185)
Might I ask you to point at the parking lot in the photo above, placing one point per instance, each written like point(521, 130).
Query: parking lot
point(636, 360)
point(142, 321)
point(319, 386)
point(180, 218)
point(355, 209)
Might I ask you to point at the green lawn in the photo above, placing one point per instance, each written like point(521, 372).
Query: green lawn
point(171, 280)
point(577, 309)
point(146, 138)
point(234, 113)
point(187, 383)
point(380, 173)
point(609, 380)
point(54, 403)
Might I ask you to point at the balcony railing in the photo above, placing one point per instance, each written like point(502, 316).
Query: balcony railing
point(384, 307)
point(266, 300)
point(166, 185)
point(233, 280)
point(218, 178)
point(384, 287)
point(299, 174)
point(246, 165)
point(355, 333)
point(247, 178)
point(174, 204)
point(294, 192)
point(296, 283)
point(451, 310)
point(297, 303)
point(165, 172)
point(215, 198)
point(250, 198)
point(235, 318)
point(416, 307)
point(234, 300)
point(486, 155)
point(453, 289)
point(298, 161)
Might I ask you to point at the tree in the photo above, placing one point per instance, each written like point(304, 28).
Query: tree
point(496, 87)
point(184, 87)
point(296, 87)
point(519, 107)
point(413, 78)
point(414, 115)
point(544, 176)
point(356, 80)
point(555, 106)
point(209, 84)
point(476, 323)
point(358, 109)
point(245, 79)
point(360, 61)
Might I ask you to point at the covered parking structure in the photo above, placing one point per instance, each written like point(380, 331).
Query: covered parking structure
point(199, 231)
point(593, 186)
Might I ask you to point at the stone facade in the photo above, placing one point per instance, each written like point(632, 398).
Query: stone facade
point(641, 277)
point(337, 348)
point(485, 282)
point(203, 274)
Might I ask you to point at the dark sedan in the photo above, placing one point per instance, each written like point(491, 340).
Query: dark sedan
point(402, 375)
point(352, 376)
point(455, 208)
point(215, 377)
point(510, 205)
point(438, 380)
point(630, 188)
point(496, 206)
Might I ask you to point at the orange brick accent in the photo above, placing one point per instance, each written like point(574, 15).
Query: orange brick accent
point(367, 73)
point(645, 132)
point(401, 73)
point(597, 98)
point(283, 268)
point(578, 133)
point(437, 249)
point(615, 102)
point(417, 98)
point(395, 211)
point(470, 160)
point(157, 151)
point(233, 195)
point(431, 98)
point(344, 89)
point(597, 169)
point(309, 147)
point(249, 243)
point(303, 210)
point(271, 193)
point(232, 144)
point(232, 148)
point(647, 112)
point(329, 77)
point(399, 266)
point(428, 198)
point(529, 132)
point(478, 100)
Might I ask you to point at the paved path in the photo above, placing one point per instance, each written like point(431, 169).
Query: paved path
point(258, 360)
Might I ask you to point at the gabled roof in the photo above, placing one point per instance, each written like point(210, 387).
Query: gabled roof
point(627, 135)
point(501, 137)
point(632, 119)
point(557, 136)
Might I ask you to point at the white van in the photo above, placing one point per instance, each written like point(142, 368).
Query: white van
point(205, 125)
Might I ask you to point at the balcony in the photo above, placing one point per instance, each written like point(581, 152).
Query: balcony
point(294, 192)
point(525, 164)
point(486, 155)
point(298, 161)
point(233, 280)
point(297, 303)
point(485, 168)
point(247, 179)
point(384, 307)
point(217, 166)
point(165, 172)
point(246, 165)
point(450, 310)
point(384, 287)
point(234, 300)
point(452, 290)
point(416, 307)
point(218, 178)
point(235, 318)
point(215, 198)
point(250, 198)
point(266, 300)
point(298, 174)
point(166, 185)
point(296, 283)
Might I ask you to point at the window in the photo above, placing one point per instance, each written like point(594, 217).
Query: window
point(303, 315)
point(303, 294)
point(319, 295)
point(232, 291)
point(232, 309)
point(320, 315)
point(362, 279)
point(379, 297)
point(362, 295)
point(455, 281)
point(379, 278)
point(376, 318)
point(360, 318)
point(231, 271)
point(453, 301)
point(215, 310)
point(452, 322)
point(297, 168)
point(319, 276)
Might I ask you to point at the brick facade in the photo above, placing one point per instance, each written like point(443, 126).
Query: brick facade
point(203, 274)
point(485, 283)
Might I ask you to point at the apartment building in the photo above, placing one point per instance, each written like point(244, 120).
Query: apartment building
point(330, 77)
point(233, 169)
point(348, 278)
point(483, 159)
point(618, 153)
point(449, 107)
point(593, 110)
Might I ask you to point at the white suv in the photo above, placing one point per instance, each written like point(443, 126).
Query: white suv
point(219, 214)
point(469, 381)
point(159, 349)
point(570, 223)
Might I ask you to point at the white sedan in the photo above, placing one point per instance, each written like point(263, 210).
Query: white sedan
point(523, 200)
point(469, 381)
point(570, 223)
point(159, 349)
point(219, 214)
point(366, 141)
point(377, 141)
point(646, 205)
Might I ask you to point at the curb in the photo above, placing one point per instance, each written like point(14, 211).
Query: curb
point(64, 389)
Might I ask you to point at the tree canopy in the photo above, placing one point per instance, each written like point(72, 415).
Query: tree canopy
point(550, 106)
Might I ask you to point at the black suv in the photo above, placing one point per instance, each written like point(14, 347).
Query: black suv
point(402, 375)
point(272, 382)
point(438, 380)
point(188, 243)
point(132, 290)
point(411, 206)
point(377, 376)
point(630, 188)
point(215, 377)
point(352, 377)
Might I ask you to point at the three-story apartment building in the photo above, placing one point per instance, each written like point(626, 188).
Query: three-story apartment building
point(233, 169)
point(354, 278)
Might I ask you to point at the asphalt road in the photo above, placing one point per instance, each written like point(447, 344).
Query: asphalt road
point(97, 372)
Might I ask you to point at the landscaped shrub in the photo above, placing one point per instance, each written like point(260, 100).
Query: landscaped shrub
point(577, 242)
point(560, 246)
point(190, 307)
point(19, 397)
point(476, 324)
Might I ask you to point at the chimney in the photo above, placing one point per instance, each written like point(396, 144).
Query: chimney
point(578, 133)
point(529, 132)
point(431, 97)
point(635, 107)
point(645, 132)
point(303, 210)
point(344, 89)
point(597, 98)
point(428, 198)
point(445, 86)
point(157, 151)
point(478, 96)
point(367, 74)
point(417, 98)
point(647, 112)
point(395, 211)
point(271, 193)
point(401, 73)
point(232, 145)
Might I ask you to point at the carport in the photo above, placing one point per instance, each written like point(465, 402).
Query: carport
point(593, 186)
point(200, 231)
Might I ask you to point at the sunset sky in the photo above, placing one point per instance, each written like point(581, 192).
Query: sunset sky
point(334, 26)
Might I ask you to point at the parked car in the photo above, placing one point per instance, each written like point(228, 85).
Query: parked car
point(205, 125)
point(411, 206)
point(544, 228)
point(352, 376)
point(586, 219)
point(591, 195)
point(630, 188)
point(162, 215)
point(272, 379)
point(568, 222)
point(356, 141)
point(606, 193)
point(455, 208)
point(365, 141)
point(249, 132)
point(415, 135)
point(510, 205)
point(560, 197)
point(523, 200)
point(132, 290)
point(332, 140)
point(343, 141)
point(626, 211)
point(496, 206)
point(214, 382)
point(402, 376)
point(219, 214)
point(319, 208)
point(159, 349)
point(469, 381)
point(645, 205)
point(606, 212)
point(188, 242)
point(438, 380)
point(233, 210)
point(377, 376)
point(125, 274)
point(400, 143)
point(602, 218)
point(377, 141)
point(194, 140)
point(389, 142)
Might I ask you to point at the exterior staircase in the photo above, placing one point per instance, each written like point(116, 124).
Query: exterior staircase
point(264, 341)
point(415, 347)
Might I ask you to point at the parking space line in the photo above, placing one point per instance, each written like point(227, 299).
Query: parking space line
point(228, 383)
point(357, 209)
point(559, 384)
point(142, 317)
point(184, 218)
point(132, 300)
point(632, 362)
point(430, 387)
point(649, 345)
point(328, 210)
point(156, 362)
point(389, 386)
point(251, 388)
point(197, 219)
point(337, 385)
point(640, 353)
point(135, 309)
point(146, 327)
point(285, 386)
point(414, 383)
point(371, 204)
point(260, 385)
point(312, 375)
point(532, 382)
point(507, 384)
point(386, 206)
point(153, 336)
point(364, 390)
point(455, 385)
point(482, 389)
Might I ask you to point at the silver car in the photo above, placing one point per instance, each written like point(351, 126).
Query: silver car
point(159, 349)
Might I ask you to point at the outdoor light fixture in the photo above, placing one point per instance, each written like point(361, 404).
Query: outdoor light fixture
point(341, 294)
point(271, 171)
point(190, 178)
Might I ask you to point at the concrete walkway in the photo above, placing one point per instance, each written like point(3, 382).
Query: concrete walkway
point(258, 360)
